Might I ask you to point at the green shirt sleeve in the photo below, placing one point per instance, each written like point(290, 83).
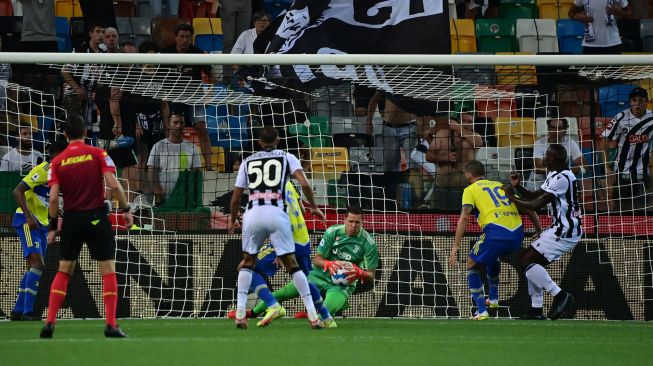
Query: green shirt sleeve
point(371, 257)
point(324, 248)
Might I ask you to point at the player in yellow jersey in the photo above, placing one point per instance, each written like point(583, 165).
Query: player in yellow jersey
point(502, 234)
point(31, 225)
point(266, 265)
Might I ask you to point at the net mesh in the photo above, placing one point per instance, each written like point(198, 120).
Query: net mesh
point(179, 262)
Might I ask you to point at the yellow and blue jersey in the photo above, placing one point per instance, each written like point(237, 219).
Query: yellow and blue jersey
point(37, 196)
point(297, 222)
point(495, 210)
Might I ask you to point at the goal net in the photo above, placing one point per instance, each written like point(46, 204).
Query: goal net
point(366, 135)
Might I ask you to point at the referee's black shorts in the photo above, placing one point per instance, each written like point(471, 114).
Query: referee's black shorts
point(91, 227)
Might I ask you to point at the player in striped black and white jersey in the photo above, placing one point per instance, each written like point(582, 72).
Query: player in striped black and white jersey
point(265, 174)
point(561, 193)
point(627, 143)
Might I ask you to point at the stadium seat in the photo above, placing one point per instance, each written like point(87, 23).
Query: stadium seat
point(537, 35)
point(124, 8)
point(535, 104)
point(78, 33)
point(614, 98)
point(542, 130)
point(314, 134)
point(10, 28)
point(513, 75)
point(515, 132)
point(163, 30)
point(495, 107)
point(518, 9)
point(208, 34)
point(570, 36)
point(136, 29)
point(218, 158)
point(143, 8)
point(498, 161)
point(225, 130)
point(64, 42)
point(366, 159)
point(575, 101)
point(207, 26)
point(524, 163)
point(210, 43)
point(629, 30)
point(347, 125)
point(67, 8)
point(646, 34)
point(477, 74)
point(329, 161)
point(496, 35)
point(453, 12)
point(554, 9)
point(463, 38)
point(349, 140)
point(275, 7)
point(6, 10)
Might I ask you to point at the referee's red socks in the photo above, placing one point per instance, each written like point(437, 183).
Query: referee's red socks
point(110, 296)
point(57, 295)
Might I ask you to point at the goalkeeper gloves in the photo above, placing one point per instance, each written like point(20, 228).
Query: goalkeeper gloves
point(356, 273)
point(332, 266)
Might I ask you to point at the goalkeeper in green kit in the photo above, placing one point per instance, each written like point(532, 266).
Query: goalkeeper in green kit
point(345, 247)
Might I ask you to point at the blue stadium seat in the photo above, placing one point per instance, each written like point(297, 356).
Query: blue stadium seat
point(226, 130)
point(209, 42)
point(64, 42)
point(570, 36)
point(614, 98)
point(275, 7)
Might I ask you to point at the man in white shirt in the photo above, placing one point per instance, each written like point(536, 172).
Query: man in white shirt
point(170, 156)
point(23, 158)
point(245, 42)
point(557, 134)
point(601, 32)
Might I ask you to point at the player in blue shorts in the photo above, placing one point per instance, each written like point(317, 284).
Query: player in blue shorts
point(31, 225)
point(266, 264)
point(502, 234)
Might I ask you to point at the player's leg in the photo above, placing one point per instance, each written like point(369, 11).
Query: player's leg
point(304, 260)
point(255, 231)
point(492, 270)
point(268, 266)
point(36, 265)
point(17, 311)
point(245, 272)
point(301, 283)
point(335, 299)
point(527, 261)
point(480, 254)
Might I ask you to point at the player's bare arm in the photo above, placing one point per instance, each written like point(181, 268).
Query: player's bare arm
point(460, 231)
point(19, 196)
point(123, 205)
point(539, 199)
point(53, 212)
point(310, 196)
point(234, 208)
point(515, 182)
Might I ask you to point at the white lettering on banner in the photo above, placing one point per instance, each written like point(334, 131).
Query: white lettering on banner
point(383, 13)
point(374, 74)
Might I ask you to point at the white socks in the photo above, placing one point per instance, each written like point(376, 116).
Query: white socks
point(300, 281)
point(244, 281)
point(540, 278)
point(537, 295)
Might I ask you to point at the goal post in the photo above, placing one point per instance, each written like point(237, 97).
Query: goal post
point(498, 109)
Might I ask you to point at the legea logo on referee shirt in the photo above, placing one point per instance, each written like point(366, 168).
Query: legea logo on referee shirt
point(77, 159)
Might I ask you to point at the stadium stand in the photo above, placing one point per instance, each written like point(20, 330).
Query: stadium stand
point(463, 38)
point(518, 9)
point(537, 35)
point(496, 35)
point(10, 28)
point(135, 29)
point(124, 8)
point(64, 41)
point(554, 9)
point(67, 8)
point(570, 36)
point(208, 34)
point(646, 34)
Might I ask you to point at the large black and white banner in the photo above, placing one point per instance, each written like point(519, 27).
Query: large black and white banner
point(356, 27)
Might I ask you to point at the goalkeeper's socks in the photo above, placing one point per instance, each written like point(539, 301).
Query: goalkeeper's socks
point(57, 295)
point(31, 288)
point(260, 287)
point(110, 297)
point(300, 281)
point(244, 280)
point(476, 288)
point(319, 303)
point(20, 299)
point(493, 270)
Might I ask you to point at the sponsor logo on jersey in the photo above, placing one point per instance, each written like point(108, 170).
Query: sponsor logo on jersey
point(76, 159)
point(638, 139)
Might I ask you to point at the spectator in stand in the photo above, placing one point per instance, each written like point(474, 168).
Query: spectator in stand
point(170, 156)
point(482, 9)
point(81, 81)
point(156, 8)
point(601, 32)
point(557, 128)
point(454, 145)
point(245, 42)
point(236, 18)
point(194, 115)
point(22, 158)
point(38, 34)
point(627, 142)
point(111, 40)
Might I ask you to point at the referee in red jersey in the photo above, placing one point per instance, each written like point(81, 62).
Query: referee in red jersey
point(79, 174)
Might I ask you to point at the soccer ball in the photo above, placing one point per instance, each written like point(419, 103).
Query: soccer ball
point(340, 277)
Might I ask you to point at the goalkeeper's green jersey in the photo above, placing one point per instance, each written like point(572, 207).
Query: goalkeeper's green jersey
point(360, 250)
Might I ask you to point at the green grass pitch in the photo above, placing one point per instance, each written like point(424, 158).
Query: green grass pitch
point(355, 342)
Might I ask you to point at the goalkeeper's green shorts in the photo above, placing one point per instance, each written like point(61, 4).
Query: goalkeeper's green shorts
point(327, 288)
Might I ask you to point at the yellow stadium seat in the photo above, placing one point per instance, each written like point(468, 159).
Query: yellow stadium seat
point(331, 160)
point(67, 8)
point(463, 35)
point(554, 9)
point(516, 75)
point(515, 132)
point(207, 26)
point(218, 158)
